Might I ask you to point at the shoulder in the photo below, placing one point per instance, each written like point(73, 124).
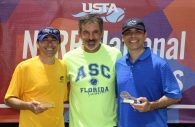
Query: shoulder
point(59, 61)
point(122, 60)
point(109, 48)
point(72, 53)
point(158, 60)
point(112, 51)
point(72, 56)
point(29, 62)
point(60, 64)
point(150, 55)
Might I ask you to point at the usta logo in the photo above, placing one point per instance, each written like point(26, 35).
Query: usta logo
point(99, 7)
point(109, 12)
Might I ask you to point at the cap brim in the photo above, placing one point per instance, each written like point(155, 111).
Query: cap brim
point(40, 38)
point(139, 27)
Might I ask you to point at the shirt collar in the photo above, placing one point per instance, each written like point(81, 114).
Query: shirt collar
point(143, 56)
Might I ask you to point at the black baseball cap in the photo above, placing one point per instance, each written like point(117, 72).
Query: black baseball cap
point(133, 23)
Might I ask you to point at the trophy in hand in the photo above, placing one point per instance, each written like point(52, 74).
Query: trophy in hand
point(127, 98)
point(47, 105)
point(44, 102)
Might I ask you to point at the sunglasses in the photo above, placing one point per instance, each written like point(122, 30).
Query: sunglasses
point(49, 31)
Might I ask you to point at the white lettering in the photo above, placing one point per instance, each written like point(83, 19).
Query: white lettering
point(169, 50)
point(99, 7)
point(28, 42)
point(183, 42)
point(164, 49)
point(172, 51)
point(115, 42)
point(178, 74)
point(64, 35)
point(158, 42)
point(105, 37)
point(73, 43)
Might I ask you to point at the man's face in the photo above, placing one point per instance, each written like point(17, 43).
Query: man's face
point(134, 39)
point(48, 46)
point(91, 36)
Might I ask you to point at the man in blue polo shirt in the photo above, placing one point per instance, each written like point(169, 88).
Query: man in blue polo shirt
point(145, 82)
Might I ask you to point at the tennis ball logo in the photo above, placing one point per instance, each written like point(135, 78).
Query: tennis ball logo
point(114, 16)
point(93, 81)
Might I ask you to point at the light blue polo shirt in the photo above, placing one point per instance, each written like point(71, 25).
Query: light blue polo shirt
point(149, 76)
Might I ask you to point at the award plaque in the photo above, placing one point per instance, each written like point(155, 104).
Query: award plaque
point(127, 98)
point(47, 105)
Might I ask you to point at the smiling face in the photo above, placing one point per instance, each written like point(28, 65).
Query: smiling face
point(91, 36)
point(134, 39)
point(48, 47)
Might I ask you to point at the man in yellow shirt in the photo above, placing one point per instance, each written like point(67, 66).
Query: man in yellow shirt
point(38, 86)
